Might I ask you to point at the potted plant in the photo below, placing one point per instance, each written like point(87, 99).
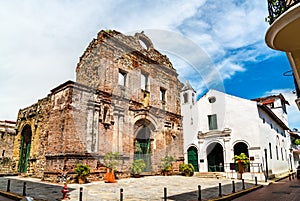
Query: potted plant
point(82, 171)
point(111, 160)
point(167, 162)
point(243, 162)
point(137, 167)
point(187, 169)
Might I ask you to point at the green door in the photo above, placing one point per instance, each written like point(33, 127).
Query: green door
point(193, 158)
point(142, 147)
point(25, 149)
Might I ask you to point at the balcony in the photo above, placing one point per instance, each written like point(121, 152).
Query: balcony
point(283, 33)
point(284, 18)
point(278, 7)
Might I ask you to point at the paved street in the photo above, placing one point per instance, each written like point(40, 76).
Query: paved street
point(5, 199)
point(146, 188)
point(281, 190)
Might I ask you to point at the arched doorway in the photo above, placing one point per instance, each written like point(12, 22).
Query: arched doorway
point(239, 148)
point(25, 148)
point(142, 143)
point(193, 157)
point(215, 157)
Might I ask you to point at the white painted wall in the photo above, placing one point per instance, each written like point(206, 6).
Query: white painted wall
point(245, 120)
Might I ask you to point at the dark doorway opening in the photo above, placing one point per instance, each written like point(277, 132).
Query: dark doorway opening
point(142, 143)
point(25, 148)
point(215, 157)
point(239, 148)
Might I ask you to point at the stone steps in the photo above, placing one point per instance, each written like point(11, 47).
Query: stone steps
point(209, 175)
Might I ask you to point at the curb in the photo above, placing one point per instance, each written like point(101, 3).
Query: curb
point(237, 194)
point(11, 195)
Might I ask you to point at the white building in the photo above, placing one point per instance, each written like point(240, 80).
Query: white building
point(219, 126)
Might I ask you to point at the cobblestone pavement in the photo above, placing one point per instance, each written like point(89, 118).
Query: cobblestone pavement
point(134, 189)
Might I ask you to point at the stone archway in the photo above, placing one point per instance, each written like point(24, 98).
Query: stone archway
point(215, 157)
point(239, 148)
point(142, 142)
point(25, 148)
point(193, 157)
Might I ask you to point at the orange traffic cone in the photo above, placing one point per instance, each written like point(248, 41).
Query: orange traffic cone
point(109, 176)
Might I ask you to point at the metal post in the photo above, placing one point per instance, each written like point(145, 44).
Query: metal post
point(243, 183)
point(24, 189)
point(165, 194)
point(290, 177)
point(80, 194)
point(199, 193)
point(291, 162)
point(255, 181)
point(121, 194)
point(233, 187)
point(8, 185)
point(220, 190)
point(267, 170)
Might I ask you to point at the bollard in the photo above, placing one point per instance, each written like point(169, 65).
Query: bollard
point(293, 175)
point(8, 185)
point(233, 187)
point(24, 189)
point(243, 184)
point(255, 181)
point(165, 194)
point(121, 194)
point(290, 177)
point(220, 190)
point(80, 194)
point(199, 193)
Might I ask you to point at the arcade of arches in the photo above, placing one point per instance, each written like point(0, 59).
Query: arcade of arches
point(215, 155)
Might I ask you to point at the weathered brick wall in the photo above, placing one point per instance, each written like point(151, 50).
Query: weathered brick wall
point(79, 122)
point(36, 116)
point(99, 67)
point(7, 136)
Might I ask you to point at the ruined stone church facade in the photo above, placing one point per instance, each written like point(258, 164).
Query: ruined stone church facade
point(125, 99)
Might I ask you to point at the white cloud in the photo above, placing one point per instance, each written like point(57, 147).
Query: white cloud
point(41, 41)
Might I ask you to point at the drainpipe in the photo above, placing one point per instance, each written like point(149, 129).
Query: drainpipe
point(267, 170)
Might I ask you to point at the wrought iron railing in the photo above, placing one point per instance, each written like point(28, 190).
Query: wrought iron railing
point(278, 7)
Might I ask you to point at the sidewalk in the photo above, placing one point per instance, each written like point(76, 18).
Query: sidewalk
point(145, 188)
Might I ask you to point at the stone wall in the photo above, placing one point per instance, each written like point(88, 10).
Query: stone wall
point(79, 122)
point(7, 136)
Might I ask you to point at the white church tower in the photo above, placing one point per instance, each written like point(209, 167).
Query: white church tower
point(189, 112)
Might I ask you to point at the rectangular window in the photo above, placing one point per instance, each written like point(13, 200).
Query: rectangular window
point(212, 122)
point(193, 98)
point(162, 94)
point(277, 153)
point(282, 154)
point(122, 78)
point(270, 148)
point(185, 98)
point(144, 82)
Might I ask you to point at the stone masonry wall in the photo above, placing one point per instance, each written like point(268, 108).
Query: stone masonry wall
point(79, 122)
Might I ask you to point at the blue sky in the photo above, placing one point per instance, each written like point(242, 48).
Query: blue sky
point(41, 42)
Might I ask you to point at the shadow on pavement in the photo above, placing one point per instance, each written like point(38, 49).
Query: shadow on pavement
point(37, 190)
point(209, 193)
